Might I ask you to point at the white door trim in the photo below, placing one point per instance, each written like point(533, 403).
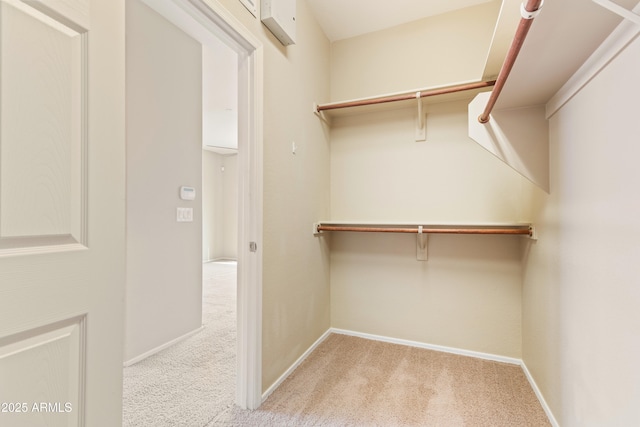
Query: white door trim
point(217, 20)
point(250, 81)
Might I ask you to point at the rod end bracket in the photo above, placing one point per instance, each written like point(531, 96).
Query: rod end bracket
point(530, 14)
point(483, 120)
point(320, 113)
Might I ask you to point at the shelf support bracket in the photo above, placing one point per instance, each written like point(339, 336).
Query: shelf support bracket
point(421, 128)
point(422, 241)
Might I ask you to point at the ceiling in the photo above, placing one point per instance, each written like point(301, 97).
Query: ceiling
point(561, 38)
point(341, 19)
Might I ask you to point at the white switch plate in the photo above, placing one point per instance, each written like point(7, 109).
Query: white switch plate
point(184, 215)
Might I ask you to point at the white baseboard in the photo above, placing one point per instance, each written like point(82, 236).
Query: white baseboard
point(222, 259)
point(161, 347)
point(476, 354)
point(538, 393)
point(293, 367)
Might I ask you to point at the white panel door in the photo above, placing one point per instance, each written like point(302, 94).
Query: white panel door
point(62, 212)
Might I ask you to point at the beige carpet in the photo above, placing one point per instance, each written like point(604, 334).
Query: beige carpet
point(350, 381)
point(346, 381)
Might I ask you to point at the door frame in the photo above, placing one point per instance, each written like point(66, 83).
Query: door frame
point(216, 20)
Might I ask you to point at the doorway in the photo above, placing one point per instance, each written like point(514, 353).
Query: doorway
point(219, 153)
point(207, 21)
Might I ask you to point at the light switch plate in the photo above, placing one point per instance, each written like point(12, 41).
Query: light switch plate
point(184, 215)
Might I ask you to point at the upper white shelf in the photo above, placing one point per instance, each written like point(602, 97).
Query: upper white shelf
point(429, 95)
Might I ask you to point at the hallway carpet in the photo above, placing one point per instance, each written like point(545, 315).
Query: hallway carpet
point(191, 382)
point(346, 381)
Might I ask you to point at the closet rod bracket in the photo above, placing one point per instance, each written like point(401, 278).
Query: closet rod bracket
point(421, 128)
point(422, 240)
point(530, 14)
point(316, 232)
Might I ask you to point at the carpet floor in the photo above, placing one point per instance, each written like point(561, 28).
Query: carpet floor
point(192, 382)
point(346, 381)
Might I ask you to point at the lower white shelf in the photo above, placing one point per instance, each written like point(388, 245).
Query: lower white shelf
point(423, 230)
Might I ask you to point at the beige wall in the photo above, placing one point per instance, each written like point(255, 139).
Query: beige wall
point(296, 267)
point(212, 206)
point(296, 190)
point(467, 295)
point(435, 51)
point(230, 203)
point(380, 173)
point(164, 140)
point(219, 206)
point(581, 283)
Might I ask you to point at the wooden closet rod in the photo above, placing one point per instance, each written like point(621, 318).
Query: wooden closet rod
point(529, 12)
point(453, 230)
point(406, 96)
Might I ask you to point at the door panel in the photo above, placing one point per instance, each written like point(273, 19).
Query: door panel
point(46, 370)
point(62, 212)
point(43, 138)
